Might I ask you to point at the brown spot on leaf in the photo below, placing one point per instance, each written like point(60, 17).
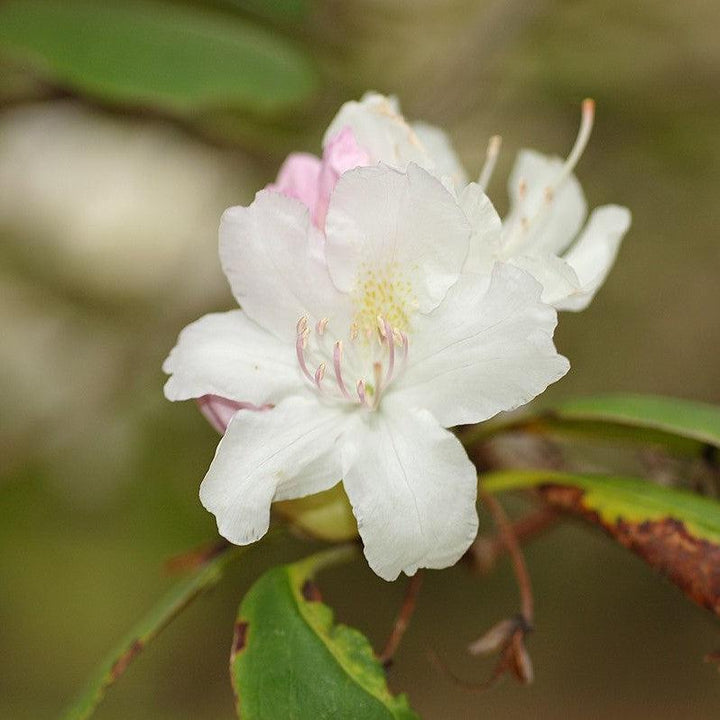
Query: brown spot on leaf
point(311, 592)
point(692, 563)
point(239, 639)
point(125, 659)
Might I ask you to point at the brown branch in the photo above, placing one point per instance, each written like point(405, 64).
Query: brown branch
point(505, 530)
point(486, 551)
point(403, 619)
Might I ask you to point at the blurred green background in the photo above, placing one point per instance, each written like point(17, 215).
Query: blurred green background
point(126, 129)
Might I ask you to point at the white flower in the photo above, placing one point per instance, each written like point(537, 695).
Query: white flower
point(547, 208)
point(363, 342)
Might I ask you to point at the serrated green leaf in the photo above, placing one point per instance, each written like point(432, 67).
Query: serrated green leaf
point(178, 598)
point(290, 661)
point(675, 531)
point(148, 53)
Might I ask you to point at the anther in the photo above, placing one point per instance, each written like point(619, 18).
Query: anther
point(320, 326)
point(491, 156)
point(319, 374)
point(354, 332)
point(302, 324)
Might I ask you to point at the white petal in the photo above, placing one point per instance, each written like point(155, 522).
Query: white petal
point(557, 225)
point(286, 452)
point(486, 229)
point(272, 256)
point(229, 355)
point(558, 279)
point(446, 163)
point(487, 348)
point(413, 492)
point(592, 256)
point(381, 130)
point(403, 225)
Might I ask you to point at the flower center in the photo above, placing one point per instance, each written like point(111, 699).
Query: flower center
point(382, 292)
point(357, 371)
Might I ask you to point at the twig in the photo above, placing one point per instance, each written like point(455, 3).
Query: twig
point(486, 551)
point(403, 619)
point(505, 530)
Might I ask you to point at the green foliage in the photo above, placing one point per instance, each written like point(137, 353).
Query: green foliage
point(691, 420)
point(147, 629)
point(682, 426)
point(290, 661)
point(675, 531)
point(147, 53)
point(621, 498)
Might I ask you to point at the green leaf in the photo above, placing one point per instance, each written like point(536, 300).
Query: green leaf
point(692, 420)
point(675, 531)
point(148, 628)
point(148, 53)
point(682, 426)
point(287, 10)
point(290, 661)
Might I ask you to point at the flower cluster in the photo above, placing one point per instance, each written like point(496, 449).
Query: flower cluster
point(384, 301)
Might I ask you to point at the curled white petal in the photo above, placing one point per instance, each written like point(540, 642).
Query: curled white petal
point(413, 491)
point(286, 452)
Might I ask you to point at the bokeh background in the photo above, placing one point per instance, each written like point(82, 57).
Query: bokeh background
point(110, 196)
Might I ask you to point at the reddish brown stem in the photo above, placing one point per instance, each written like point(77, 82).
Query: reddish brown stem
point(403, 618)
point(486, 551)
point(505, 530)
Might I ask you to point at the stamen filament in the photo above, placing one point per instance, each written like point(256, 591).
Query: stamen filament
point(337, 359)
point(391, 350)
point(491, 156)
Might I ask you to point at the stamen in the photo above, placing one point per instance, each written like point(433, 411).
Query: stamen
point(586, 125)
point(337, 359)
point(319, 375)
point(361, 392)
point(405, 347)
point(391, 351)
point(302, 324)
point(320, 326)
point(300, 344)
point(377, 372)
point(381, 328)
point(491, 156)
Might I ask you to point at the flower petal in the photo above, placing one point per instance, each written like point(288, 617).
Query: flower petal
point(403, 226)
point(446, 163)
point(381, 130)
point(413, 491)
point(558, 279)
point(342, 153)
point(286, 452)
point(487, 348)
point(298, 178)
point(592, 256)
point(486, 229)
point(273, 258)
point(556, 226)
point(229, 355)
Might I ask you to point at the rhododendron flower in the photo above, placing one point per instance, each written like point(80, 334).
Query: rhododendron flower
point(361, 339)
point(547, 210)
